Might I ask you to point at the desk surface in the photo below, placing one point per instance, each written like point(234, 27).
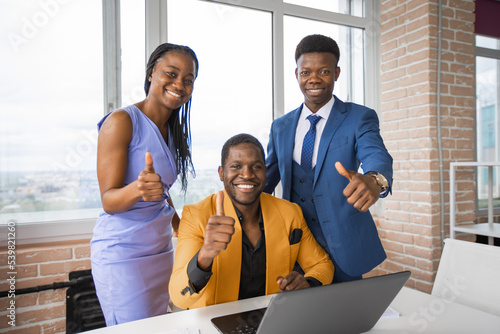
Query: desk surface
point(419, 313)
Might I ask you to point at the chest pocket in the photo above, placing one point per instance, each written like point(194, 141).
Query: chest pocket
point(294, 241)
point(337, 143)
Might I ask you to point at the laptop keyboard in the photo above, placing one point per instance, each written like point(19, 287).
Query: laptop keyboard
point(245, 329)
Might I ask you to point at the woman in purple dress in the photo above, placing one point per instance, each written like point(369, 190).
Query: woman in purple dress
point(141, 150)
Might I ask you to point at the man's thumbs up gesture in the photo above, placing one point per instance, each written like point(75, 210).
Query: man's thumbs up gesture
point(362, 190)
point(218, 234)
point(149, 183)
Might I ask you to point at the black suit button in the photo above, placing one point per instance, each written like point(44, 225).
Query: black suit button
point(302, 200)
point(301, 181)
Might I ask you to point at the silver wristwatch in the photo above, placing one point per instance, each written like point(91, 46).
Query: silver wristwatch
point(381, 180)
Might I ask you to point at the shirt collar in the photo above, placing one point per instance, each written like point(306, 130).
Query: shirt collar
point(240, 217)
point(324, 111)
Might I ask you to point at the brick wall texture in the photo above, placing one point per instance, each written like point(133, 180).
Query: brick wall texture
point(43, 312)
point(411, 224)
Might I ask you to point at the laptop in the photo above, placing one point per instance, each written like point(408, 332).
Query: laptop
point(347, 307)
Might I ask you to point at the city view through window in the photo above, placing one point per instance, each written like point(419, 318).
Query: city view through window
point(51, 91)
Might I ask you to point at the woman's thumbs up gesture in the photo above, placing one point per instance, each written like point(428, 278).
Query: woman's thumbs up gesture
point(149, 183)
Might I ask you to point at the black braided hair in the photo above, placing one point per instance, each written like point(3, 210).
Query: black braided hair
point(179, 121)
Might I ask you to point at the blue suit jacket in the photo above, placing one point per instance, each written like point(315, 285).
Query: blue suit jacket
point(351, 136)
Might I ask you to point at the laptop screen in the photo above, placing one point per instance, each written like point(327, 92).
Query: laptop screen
point(347, 307)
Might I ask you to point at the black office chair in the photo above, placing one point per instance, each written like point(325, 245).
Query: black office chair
point(83, 311)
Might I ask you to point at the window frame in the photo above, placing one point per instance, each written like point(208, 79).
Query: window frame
point(156, 33)
point(492, 54)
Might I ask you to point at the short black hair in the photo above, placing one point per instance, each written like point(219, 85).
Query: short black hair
point(317, 43)
point(242, 138)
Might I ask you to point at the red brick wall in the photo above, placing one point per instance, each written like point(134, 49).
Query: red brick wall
point(41, 264)
point(411, 227)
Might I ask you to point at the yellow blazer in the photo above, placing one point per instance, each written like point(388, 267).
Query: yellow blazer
point(280, 219)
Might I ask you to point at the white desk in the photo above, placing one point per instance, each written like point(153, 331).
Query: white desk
point(420, 313)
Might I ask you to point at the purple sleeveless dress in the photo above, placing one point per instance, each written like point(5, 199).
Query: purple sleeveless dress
point(131, 252)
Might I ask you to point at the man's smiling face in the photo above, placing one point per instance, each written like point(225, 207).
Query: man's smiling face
point(316, 74)
point(244, 174)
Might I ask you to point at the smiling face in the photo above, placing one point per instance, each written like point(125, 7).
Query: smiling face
point(172, 80)
point(316, 73)
point(244, 174)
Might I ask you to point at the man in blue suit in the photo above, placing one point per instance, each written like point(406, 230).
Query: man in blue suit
point(317, 159)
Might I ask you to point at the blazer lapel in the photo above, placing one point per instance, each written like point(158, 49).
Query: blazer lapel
point(337, 116)
point(287, 145)
point(277, 244)
point(229, 260)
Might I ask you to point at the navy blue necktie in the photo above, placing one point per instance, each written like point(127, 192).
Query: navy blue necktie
point(308, 145)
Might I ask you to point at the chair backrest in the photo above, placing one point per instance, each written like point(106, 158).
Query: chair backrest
point(469, 274)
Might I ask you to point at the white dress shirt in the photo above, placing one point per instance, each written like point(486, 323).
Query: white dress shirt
point(303, 126)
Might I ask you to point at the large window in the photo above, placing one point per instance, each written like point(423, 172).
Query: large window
point(233, 91)
point(65, 64)
point(51, 92)
point(349, 86)
point(488, 115)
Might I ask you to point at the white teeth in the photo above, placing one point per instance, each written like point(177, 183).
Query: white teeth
point(246, 186)
point(315, 90)
point(173, 94)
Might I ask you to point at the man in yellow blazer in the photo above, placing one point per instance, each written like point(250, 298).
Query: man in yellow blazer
point(242, 243)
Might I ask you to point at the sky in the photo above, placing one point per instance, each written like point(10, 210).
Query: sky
point(50, 83)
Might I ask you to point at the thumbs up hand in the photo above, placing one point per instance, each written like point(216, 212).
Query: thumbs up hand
point(218, 233)
point(362, 191)
point(149, 163)
point(149, 183)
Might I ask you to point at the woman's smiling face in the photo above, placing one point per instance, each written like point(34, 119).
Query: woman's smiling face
point(172, 80)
